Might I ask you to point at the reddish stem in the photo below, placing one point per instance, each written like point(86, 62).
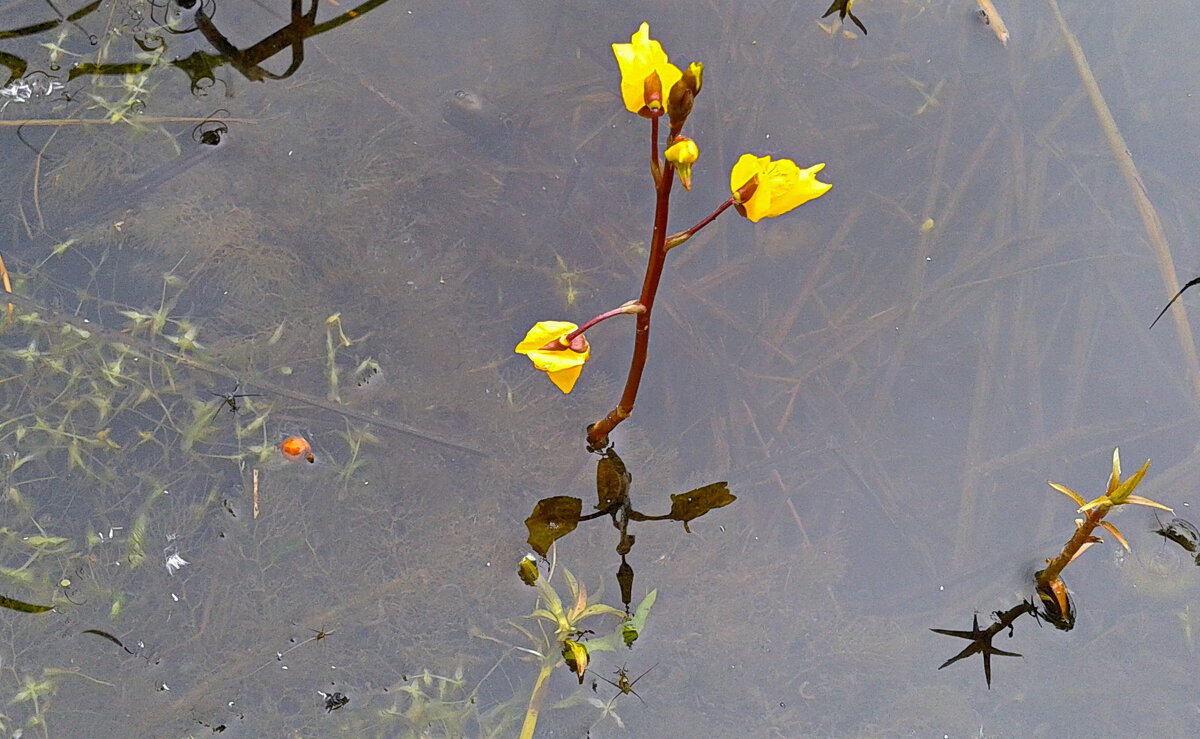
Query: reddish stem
point(655, 164)
point(628, 308)
point(675, 240)
point(1083, 534)
point(598, 432)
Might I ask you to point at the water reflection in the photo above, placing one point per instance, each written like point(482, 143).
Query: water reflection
point(555, 517)
point(152, 24)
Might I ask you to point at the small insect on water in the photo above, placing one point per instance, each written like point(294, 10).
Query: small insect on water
point(297, 447)
point(1182, 532)
point(624, 684)
point(334, 700)
point(230, 399)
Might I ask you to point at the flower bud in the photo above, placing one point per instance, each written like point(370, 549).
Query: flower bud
point(693, 77)
point(683, 154)
point(683, 94)
point(528, 570)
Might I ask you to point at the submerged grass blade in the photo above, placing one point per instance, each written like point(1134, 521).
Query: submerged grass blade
point(1137, 190)
point(20, 605)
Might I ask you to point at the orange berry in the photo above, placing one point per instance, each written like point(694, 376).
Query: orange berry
point(297, 447)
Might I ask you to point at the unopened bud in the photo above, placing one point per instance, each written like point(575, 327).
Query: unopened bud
point(528, 570)
point(683, 154)
point(682, 96)
point(693, 77)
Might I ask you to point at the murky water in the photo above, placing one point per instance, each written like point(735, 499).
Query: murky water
point(886, 377)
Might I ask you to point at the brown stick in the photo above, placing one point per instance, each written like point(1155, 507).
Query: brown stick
point(1137, 189)
point(254, 496)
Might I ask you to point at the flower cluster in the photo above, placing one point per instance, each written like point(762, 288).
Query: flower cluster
point(760, 187)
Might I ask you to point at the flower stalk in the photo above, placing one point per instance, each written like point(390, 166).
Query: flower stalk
point(597, 433)
point(651, 87)
point(676, 239)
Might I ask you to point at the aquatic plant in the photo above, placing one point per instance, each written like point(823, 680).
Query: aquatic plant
point(1052, 593)
point(1051, 588)
point(569, 643)
point(760, 187)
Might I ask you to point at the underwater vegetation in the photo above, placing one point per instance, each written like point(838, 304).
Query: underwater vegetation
point(1053, 599)
point(161, 349)
point(243, 303)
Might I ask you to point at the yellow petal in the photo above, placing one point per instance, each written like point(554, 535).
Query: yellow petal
point(683, 154)
point(575, 655)
point(565, 379)
point(638, 60)
point(561, 365)
point(558, 361)
point(542, 334)
point(683, 151)
point(744, 170)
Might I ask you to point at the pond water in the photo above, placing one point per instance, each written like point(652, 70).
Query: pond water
point(886, 377)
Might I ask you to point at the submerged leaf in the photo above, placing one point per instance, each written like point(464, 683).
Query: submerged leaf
point(612, 482)
point(45, 542)
point(552, 519)
point(632, 628)
point(629, 629)
point(135, 551)
point(598, 609)
point(578, 593)
point(695, 503)
point(109, 637)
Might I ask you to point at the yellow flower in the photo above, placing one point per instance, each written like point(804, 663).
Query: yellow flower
point(764, 189)
point(683, 154)
point(646, 74)
point(562, 362)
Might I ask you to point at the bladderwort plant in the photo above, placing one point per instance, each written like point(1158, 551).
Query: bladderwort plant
point(760, 187)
